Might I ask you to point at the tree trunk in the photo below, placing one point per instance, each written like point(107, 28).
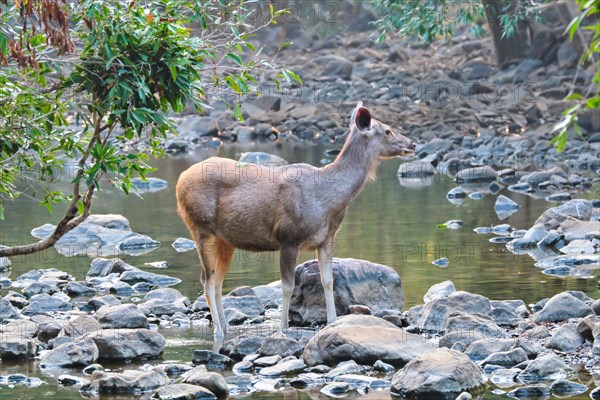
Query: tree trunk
point(508, 49)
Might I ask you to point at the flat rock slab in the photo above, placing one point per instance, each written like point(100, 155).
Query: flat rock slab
point(364, 339)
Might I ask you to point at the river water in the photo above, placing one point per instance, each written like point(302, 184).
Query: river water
point(389, 223)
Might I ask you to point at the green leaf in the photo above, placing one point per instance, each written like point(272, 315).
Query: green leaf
point(237, 112)
point(235, 58)
point(593, 103)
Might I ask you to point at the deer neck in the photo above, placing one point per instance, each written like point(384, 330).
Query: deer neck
point(346, 176)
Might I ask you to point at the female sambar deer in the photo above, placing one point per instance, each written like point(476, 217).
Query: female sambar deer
point(226, 204)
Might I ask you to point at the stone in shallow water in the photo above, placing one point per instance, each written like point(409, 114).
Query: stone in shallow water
point(537, 391)
point(78, 353)
point(183, 391)
point(128, 344)
point(439, 373)
point(544, 367)
point(211, 359)
point(287, 366)
point(562, 307)
point(441, 262)
point(563, 387)
point(391, 345)
point(210, 380)
point(182, 244)
point(126, 382)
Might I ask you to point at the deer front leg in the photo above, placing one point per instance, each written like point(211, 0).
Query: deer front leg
point(287, 264)
point(325, 253)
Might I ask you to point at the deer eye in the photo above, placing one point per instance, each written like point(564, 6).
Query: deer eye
point(388, 132)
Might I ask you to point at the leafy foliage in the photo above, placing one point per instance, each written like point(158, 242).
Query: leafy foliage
point(100, 91)
point(590, 100)
point(431, 19)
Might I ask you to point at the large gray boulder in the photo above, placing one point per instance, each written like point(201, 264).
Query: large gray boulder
point(78, 353)
point(364, 339)
point(545, 367)
point(562, 307)
point(121, 316)
point(128, 344)
point(354, 282)
point(438, 374)
point(433, 316)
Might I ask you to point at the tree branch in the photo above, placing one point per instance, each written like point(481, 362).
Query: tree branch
point(68, 221)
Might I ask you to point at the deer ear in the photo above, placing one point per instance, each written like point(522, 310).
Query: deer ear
point(363, 118)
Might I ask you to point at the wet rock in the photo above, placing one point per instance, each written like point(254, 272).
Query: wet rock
point(355, 282)
point(476, 175)
point(456, 193)
point(460, 340)
point(79, 326)
point(47, 328)
point(182, 391)
point(335, 389)
point(7, 311)
point(40, 287)
point(362, 381)
point(483, 348)
point(474, 323)
point(159, 307)
point(351, 338)
point(416, 169)
point(121, 316)
point(346, 367)
point(565, 339)
point(241, 346)
point(108, 300)
point(242, 367)
point(504, 317)
point(134, 277)
point(98, 235)
point(579, 230)
point(102, 267)
point(287, 366)
point(383, 367)
point(211, 359)
point(267, 361)
point(508, 358)
point(17, 348)
point(434, 315)
point(579, 209)
point(72, 354)
point(561, 307)
point(128, 344)
point(121, 289)
point(579, 246)
point(531, 391)
point(71, 380)
point(270, 295)
point(76, 289)
point(544, 367)
point(261, 158)
point(183, 244)
point(90, 369)
point(441, 262)
point(210, 380)
point(249, 305)
point(282, 345)
point(505, 207)
point(505, 377)
point(439, 373)
point(168, 294)
point(126, 382)
point(44, 303)
point(563, 387)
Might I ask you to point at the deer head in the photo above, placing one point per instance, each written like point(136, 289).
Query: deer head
point(383, 139)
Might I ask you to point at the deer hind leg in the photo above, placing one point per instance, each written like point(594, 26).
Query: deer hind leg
point(214, 269)
point(325, 253)
point(224, 255)
point(287, 263)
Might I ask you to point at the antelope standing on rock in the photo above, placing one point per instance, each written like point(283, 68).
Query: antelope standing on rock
point(226, 204)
